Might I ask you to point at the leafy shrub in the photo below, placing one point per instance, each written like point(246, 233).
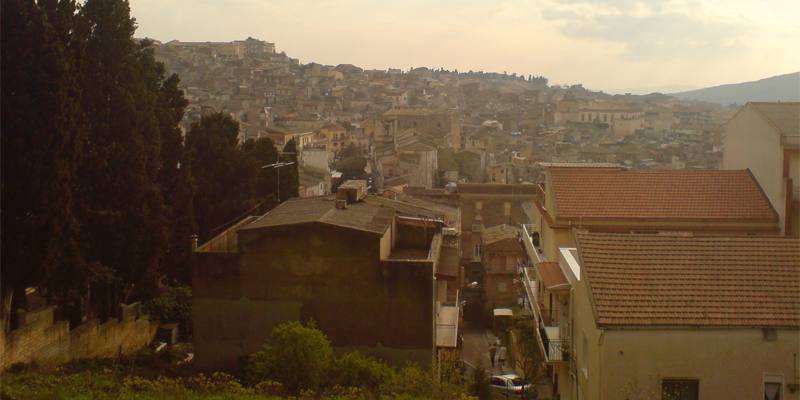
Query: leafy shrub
point(218, 382)
point(410, 380)
point(268, 388)
point(356, 370)
point(298, 356)
point(174, 304)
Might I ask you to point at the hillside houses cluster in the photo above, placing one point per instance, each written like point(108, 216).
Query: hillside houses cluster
point(429, 127)
point(644, 283)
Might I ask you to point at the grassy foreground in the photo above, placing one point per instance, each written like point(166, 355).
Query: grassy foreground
point(106, 384)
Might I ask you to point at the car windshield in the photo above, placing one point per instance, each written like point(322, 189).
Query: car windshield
point(517, 382)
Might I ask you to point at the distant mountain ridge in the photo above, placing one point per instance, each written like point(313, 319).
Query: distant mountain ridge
point(777, 88)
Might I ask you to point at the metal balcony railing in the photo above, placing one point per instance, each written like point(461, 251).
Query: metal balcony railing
point(557, 349)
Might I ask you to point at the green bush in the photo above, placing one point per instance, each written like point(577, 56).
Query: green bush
point(297, 356)
point(174, 304)
point(356, 370)
point(410, 380)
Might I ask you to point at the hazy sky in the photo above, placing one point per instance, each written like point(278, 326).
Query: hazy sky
point(611, 45)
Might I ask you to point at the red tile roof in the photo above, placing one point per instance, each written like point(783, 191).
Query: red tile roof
point(552, 276)
point(597, 193)
point(497, 188)
point(637, 280)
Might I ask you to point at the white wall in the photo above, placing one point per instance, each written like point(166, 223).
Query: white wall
point(750, 142)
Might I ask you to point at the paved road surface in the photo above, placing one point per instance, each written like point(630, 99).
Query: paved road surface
point(476, 351)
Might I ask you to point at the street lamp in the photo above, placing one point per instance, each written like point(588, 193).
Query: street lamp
point(277, 166)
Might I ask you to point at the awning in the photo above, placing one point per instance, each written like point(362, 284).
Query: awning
point(552, 276)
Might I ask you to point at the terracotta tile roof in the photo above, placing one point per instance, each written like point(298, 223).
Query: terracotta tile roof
point(638, 280)
point(545, 164)
point(497, 188)
point(597, 193)
point(552, 276)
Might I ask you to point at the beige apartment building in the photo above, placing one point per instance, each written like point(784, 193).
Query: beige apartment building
point(612, 199)
point(648, 316)
point(301, 138)
point(501, 257)
point(622, 120)
point(765, 137)
point(442, 125)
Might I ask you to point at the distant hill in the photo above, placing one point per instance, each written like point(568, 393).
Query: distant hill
point(777, 88)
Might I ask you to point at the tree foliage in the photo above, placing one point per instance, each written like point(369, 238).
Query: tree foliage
point(229, 178)
point(356, 370)
point(100, 188)
point(351, 167)
point(300, 358)
point(220, 173)
point(43, 133)
point(174, 304)
point(296, 355)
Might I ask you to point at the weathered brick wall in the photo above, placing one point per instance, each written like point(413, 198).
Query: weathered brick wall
point(47, 342)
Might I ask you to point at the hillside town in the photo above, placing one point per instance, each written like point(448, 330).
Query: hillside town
point(427, 128)
point(607, 221)
point(233, 223)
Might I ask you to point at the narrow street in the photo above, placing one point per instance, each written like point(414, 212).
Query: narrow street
point(476, 351)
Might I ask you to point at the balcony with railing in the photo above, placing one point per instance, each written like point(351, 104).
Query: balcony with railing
point(530, 240)
point(555, 350)
point(548, 333)
point(552, 341)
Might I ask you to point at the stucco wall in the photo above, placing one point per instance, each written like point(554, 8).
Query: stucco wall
point(750, 142)
point(729, 364)
point(49, 342)
point(589, 359)
point(500, 261)
point(553, 239)
point(492, 212)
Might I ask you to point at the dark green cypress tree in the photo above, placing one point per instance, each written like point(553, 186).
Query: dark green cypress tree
point(42, 137)
point(176, 183)
point(123, 213)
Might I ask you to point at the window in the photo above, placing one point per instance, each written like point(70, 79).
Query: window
point(680, 389)
point(585, 356)
point(477, 251)
point(773, 387)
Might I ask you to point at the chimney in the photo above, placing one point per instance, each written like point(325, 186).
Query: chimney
point(193, 239)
